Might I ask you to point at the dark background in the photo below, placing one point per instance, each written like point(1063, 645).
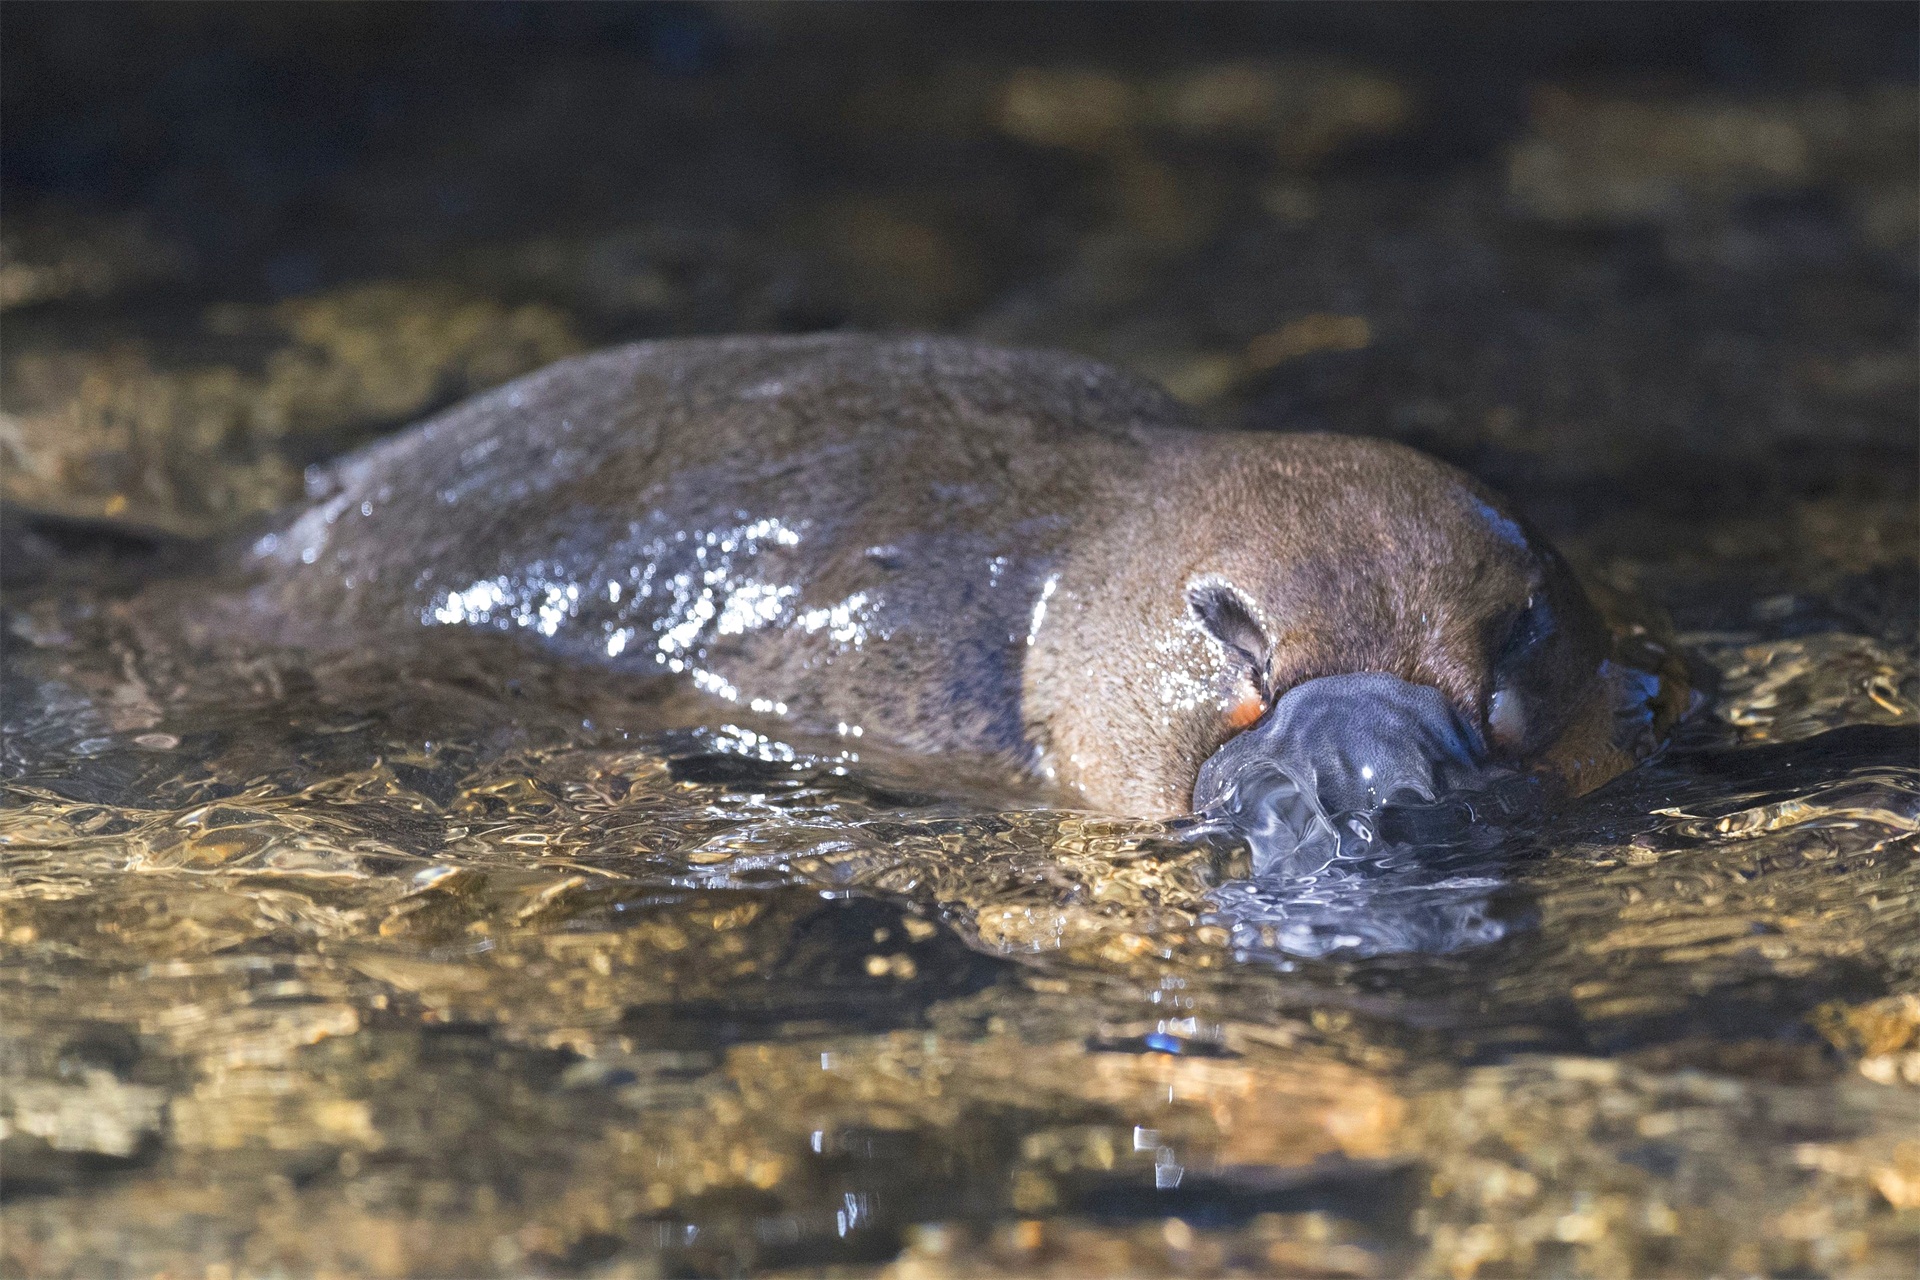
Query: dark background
point(293, 146)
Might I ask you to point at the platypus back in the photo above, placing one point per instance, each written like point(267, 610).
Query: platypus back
point(847, 532)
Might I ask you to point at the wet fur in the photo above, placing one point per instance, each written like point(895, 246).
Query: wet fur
point(945, 484)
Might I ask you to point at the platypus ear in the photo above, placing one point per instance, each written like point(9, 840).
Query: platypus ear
point(1228, 617)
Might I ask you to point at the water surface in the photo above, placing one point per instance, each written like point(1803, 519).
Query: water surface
point(441, 957)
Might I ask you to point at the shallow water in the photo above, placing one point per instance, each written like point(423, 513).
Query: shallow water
point(443, 958)
point(438, 957)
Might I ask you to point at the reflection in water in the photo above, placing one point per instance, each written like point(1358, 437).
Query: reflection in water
point(1400, 898)
point(441, 958)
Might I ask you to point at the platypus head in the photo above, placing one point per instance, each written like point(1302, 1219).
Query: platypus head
point(1345, 617)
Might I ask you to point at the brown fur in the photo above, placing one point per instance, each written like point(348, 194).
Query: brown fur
point(1021, 547)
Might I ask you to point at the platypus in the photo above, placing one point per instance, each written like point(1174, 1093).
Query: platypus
point(953, 547)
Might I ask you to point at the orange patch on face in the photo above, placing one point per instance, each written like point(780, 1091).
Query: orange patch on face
point(1245, 712)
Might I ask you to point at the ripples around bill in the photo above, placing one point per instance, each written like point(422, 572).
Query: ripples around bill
point(446, 959)
point(1401, 880)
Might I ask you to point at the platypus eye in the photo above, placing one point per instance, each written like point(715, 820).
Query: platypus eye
point(1525, 634)
point(1507, 706)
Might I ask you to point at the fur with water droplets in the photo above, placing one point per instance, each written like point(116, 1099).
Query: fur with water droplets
point(947, 546)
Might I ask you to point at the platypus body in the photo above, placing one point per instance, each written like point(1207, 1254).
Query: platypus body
point(952, 547)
